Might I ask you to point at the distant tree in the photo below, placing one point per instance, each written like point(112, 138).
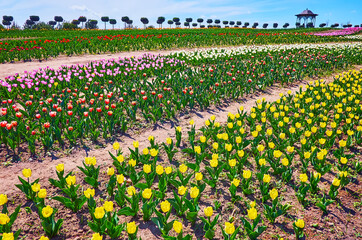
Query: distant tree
point(232, 23)
point(189, 20)
point(217, 21)
point(297, 25)
point(75, 22)
point(130, 22)
point(176, 20)
point(28, 24)
point(170, 22)
point(52, 23)
point(225, 22)
point(34, 18)
point(275, 25)
point(82, 19)
point(69, 26)
point(194, 24)
point(200, 20)
point(310, 25)
point(7, 20)
point(246, 24)
point(42, 26)
point(356, 25)
point(91, 24)
point(265, 25)
point(178, 24)
point(161, 20)
point(255, 25)
point(125, 19)
point(209, 21)
point(145, 21)
point(286, 25)
point(349, 25)
point(336, 25)
point(238, 23)
point(202, 26)
point(105, 19)
point(322, 25)
point(112, 22)
point(187, 24)
point(58, 19)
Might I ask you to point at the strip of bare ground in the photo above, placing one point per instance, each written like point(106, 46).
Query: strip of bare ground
point(46, 169)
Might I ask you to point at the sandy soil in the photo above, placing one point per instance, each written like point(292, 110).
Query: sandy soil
point(46, 168)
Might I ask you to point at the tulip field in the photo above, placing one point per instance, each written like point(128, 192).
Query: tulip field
point(27, 45)
point(289, 168)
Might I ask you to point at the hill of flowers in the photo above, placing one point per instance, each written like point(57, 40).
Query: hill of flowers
point(59, 107)
point(340, 32)
point(228, 181)
point(49, 44)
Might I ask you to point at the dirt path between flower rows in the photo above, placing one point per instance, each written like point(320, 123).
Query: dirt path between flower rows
point(46, 169)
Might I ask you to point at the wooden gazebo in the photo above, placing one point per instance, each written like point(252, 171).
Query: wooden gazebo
point(306, 18)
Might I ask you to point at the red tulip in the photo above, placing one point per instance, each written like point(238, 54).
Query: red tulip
point(99, 109)
point(47, 125)
point(85, 114)
point(53, 114)
point(110, 113)
point(19, 114)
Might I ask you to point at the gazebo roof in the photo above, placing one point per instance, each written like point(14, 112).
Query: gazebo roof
point(307, 13)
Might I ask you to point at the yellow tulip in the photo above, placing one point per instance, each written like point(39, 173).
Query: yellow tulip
point(35, 187)
point(131, 190)
point(60, 167)
point(145, 151)
point(232, 162)
point(42, 193)
point(26, 172)
point(147, 193)
point(47, 211)
point(4, 219)
point(271, 145)
point(151, 138)
point(342, 143)
point(183, 168)
point(192, 122)
point(147, 168)
point(136, 144)
point(208, 211)
point(43, 238)
point(110, 171)
point(131, 228)
point(202, 139)
point(197, 149)
point(120, 179)
point(165, 206)
point(262, 162)
point(266, 178)
point(344, 160)
point(214, 162)
point(177, 226)
point(159, 169)
point(71, 180)
point(97, 236)
point(303, 177)
point(153, 152)
point(252, 204)
point(3, 199)
point(336, 182)
point(299, 223)
point(120, 158)
point(168, 170)
point(198, 176)
point(194, 193)
point(108, 206)
point(182, 190)
point(8, 236)
point(215, 145)
point(252, 213)
point(178, 129)
point(169, 141)
point(273, 193)
point(229, 228)
point(89, 193)
point(99, 212)
point(285, 161)
point(132, 162)
point(260, 148)
point(116, 146)
point(246, 174)
point(235, 182)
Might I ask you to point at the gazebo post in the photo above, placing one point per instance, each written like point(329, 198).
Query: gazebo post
point(308, 17)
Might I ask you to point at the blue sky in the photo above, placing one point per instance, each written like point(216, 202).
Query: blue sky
point(261, 11)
